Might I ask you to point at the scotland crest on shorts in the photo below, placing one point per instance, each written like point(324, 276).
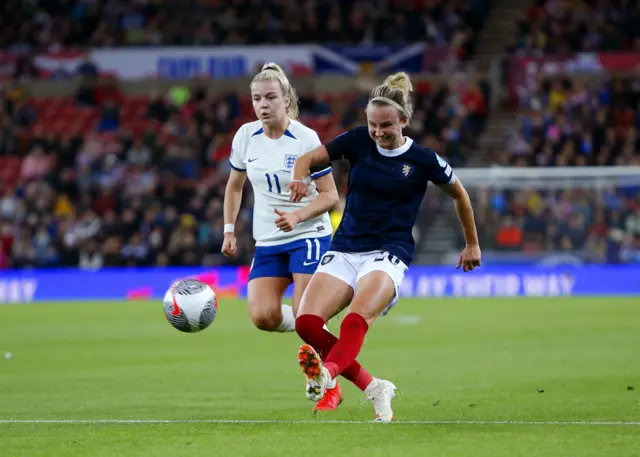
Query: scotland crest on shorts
point(327, 258)
point(289, 161)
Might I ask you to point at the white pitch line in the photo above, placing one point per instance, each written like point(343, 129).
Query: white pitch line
point(317, 422)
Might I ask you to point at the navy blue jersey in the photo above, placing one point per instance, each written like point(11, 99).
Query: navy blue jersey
point(386, 189)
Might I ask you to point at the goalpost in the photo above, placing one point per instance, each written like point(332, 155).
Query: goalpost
point(549, 177)
point(532, 215)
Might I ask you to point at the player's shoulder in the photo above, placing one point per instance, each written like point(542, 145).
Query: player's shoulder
point(241, 142)
point(358, 134)
point(301, 132)
point(433, 165)
point(426, 155)
point(249, 129)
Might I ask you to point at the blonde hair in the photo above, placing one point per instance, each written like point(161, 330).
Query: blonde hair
point(273, 72)
point(395, 91)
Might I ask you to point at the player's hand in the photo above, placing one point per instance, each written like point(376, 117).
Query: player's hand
point(297, 191)
point(287, 221)
point(229, 245)
point(470, 258)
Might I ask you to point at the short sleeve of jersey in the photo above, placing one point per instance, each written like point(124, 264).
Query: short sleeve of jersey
point(238, 153)
point(313, 143)
point(345, 146)
point(439, 171)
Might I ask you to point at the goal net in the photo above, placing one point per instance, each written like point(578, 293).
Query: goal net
point(542, 216)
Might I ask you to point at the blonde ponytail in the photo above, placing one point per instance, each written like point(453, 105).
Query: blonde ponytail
point(395, 91)
point(273, 72)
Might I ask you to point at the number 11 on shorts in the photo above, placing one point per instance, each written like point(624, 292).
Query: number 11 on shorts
point(310, 250)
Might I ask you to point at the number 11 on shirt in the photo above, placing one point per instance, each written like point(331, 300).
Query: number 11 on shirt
point(276, 180)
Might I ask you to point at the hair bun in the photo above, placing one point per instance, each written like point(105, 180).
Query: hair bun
point(399, 81)
point(272, 66)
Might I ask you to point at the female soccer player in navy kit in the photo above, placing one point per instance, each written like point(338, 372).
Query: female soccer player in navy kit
point(373, 245)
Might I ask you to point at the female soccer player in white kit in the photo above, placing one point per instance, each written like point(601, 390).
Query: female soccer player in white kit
point(291, 237)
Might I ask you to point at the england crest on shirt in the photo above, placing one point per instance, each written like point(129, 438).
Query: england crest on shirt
point(289, 161)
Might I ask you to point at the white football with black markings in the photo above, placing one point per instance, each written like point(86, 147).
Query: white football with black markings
point(190, 305)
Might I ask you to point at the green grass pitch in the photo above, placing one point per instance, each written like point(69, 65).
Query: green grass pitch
point(476, 377)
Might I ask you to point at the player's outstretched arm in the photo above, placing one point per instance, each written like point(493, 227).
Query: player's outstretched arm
point(232, 202)
point(325, 201)
point(470, 257)
point(317, 157)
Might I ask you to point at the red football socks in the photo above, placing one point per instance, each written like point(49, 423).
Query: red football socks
point(310, 328)
point(345, 351)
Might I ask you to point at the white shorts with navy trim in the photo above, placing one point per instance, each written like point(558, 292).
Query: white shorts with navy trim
point(349, 267)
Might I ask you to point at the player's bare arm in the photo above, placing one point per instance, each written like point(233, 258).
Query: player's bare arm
point(470, 257)
point(232, 202)
point(325, 201)
point(298, 188)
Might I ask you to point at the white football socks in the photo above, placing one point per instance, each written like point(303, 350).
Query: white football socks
point(288, 323)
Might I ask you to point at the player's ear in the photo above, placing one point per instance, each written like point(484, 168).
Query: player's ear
point(403, 121)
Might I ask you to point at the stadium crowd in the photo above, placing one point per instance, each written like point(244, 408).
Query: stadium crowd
point(568, 26)
point(568, 122)
point(596, 226)
point(124, 183)
point(581, 123)
point(153, 196)
point(52, 25)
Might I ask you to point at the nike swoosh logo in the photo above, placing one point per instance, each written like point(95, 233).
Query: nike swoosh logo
point(306, 264)
point(253, 160)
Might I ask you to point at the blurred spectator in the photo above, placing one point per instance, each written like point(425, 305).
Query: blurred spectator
point(158, 109)
point(36, 165)
point(86, 94)
point(632, 225)
point(109, 117)
point(90, 258)
point(509, 235)
point(554, 26)
point(135, 252)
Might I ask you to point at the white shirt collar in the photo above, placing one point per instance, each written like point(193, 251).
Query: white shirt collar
point(396, 152)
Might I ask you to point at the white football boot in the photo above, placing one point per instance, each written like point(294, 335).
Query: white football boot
point(381, 392)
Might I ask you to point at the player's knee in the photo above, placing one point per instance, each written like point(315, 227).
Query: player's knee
point(266, 322)
point(354, 321)
point(264, 313)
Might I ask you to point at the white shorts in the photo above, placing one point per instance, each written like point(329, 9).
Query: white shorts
point(349, 267)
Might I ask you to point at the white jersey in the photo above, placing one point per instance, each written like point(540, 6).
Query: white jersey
point(269, 166)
